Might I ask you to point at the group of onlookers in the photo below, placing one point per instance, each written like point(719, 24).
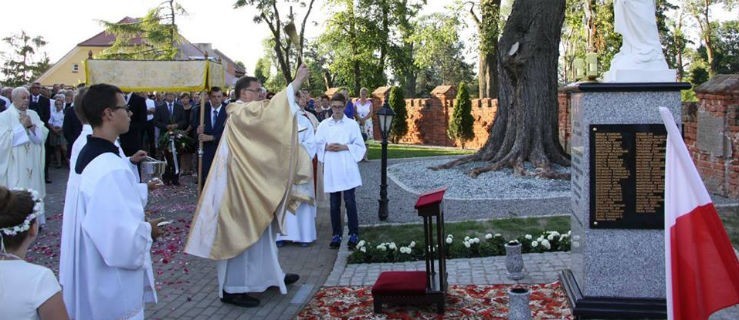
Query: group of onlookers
point(105, 131)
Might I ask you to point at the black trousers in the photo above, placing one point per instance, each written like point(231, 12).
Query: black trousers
point(148, 138)
point(49, 154)
point(169, 176)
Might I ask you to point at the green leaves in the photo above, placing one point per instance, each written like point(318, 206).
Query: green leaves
point(157, 31)
point(397, 103)
point(25, 62)
point(461, 126)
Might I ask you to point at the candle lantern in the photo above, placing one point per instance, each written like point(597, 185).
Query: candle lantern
point(579, 66)
point(591, 61)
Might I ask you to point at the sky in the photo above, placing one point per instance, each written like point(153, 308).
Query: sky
point(63, 24)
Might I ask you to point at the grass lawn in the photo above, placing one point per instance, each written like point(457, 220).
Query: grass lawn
point(411, 151)
point(509, 228)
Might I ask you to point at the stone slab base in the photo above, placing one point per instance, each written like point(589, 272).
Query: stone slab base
point(584, 307)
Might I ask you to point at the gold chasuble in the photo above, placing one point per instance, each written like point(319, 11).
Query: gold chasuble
point(253, 179)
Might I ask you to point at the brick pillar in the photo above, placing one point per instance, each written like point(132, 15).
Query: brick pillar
point(563, 118)
point(445, 96)
point(715, 146)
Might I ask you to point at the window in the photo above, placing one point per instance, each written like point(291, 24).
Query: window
point(75, 68)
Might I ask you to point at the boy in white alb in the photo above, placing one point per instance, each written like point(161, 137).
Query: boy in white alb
point(112, 268)
point(340, 147)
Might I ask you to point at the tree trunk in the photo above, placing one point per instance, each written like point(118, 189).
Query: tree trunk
point(356, 70)
point(409, 82)
point(487, 27)
point(328, 79)
point(709, 43)
point(386, 30)
point(525, 127)
point(488, 79)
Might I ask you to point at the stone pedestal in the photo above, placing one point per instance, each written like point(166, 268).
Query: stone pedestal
point(617, 266)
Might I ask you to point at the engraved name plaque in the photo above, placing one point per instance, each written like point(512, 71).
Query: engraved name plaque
point(627, 176)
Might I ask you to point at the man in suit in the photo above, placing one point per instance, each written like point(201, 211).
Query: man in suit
point(170, 115)
point(131, 140)
point(214, 120)
point(150, 132)
point(42, 106)
point(71, 127)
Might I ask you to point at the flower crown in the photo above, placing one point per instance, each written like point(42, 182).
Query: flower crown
point(11, 231)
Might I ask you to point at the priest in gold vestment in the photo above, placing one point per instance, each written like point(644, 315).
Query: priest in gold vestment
point(251, 184)
point(22, 152)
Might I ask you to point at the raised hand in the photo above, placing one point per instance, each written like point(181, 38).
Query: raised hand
point(300, 76)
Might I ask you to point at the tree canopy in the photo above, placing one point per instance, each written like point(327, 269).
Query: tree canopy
point(26, 61)
point(153, 37)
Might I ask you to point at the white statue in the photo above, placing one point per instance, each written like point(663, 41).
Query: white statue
point(640, 58)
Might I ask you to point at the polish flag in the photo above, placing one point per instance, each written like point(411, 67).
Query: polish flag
point(702, 270)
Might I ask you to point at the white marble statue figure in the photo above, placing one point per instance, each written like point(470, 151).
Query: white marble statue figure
point(640, 58)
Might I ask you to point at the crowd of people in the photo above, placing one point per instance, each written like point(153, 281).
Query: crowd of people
point(267, 160)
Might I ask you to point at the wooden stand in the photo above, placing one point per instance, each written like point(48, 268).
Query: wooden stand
point(419, 287)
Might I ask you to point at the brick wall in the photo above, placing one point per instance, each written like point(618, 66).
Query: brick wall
point(716, 117)
point(711, 132)
point(563, 119)
point(428, 118)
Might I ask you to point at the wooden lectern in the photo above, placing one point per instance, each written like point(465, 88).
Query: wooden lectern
point(419, 287)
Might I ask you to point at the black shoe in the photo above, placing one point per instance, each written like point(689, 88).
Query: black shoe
point(177, 183)
point(335, 242)
point(291, 278)
point(240, 299)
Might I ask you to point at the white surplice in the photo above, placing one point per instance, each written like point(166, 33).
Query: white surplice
point(340, 169)
point(22, 153)
point(110, 265)
point(258, 267)
point(301, 226)
point(71, 233)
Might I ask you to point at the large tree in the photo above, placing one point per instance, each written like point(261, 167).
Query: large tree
point(726, 54)
point(153, 37)
point(404, 15)
point(26, 61)
point(488, 30)
point(442, 59)
point(575, 36)
point(525, 127)
point(289, 55)
point(674, 40)
point(700, 10)
point(348, 49)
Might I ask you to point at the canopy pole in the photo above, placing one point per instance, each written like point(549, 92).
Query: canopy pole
point(200, 143)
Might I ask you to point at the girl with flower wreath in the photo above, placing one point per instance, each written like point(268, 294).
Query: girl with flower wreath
point(27, 291)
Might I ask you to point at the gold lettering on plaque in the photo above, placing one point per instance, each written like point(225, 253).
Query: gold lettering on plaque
point(650, 171)
point(610, 172)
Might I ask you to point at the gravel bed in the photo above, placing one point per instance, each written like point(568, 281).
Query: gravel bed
point(459, 205)
point(415, 177)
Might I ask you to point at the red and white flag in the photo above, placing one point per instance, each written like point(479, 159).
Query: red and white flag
point(702, 270)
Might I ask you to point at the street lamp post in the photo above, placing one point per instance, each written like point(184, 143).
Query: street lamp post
point(385, 116)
